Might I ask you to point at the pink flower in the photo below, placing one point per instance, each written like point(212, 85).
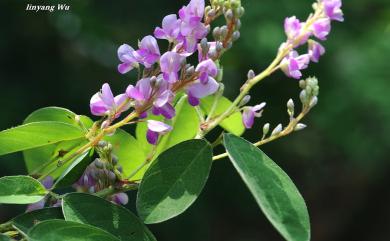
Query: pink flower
point(293, 63)
point(104, 102)
point(249, 114)
point(156, 128)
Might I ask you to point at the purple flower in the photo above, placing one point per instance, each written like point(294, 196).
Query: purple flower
point(47, 183)
point(321, 28)
point(191, 15)
point(200, 90)
point(192, 29)
point(120, 198)
point(293, 63)
point(333, 10)
point(170, 28)
point(148, 52)
point(104, 102)
point(170, 64)
point(249, 114)
point(155, 90)
point(315, 50)
point(126, 55)
point(155, 128)
point(206, 69)
point(292, 27)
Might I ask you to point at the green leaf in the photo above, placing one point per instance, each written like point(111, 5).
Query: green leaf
point(129, 151)
point(26, 221)
point(60, 230)
point(36, 134)
point(75, 170)
point(185, 127)
point(233, 124)
point(20, 190)
point(112, 218)
point(174, 180)
point(35, 157)
point(4, 237)
point(275, 193)
point(57, 114)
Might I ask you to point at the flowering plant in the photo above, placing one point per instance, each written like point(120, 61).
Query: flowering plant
point(175, 103)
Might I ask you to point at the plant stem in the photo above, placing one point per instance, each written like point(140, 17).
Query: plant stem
point(288, 130)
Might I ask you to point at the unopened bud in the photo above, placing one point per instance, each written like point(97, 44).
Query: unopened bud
point(219, 46)
point(105, 124)
point(302, 84)
point(111, 176)
point(204, 45)
point(224, 31)
point(190, 70)
point(236, 35)
point(99, 163)
point(290, 107)
point(229, 15)
point(245, 100)
point(217, 33)
point(238, 24)
point(303, 96)
point(277, 130)
point(251, 74)
point(114, 160)
point(299, 127)
point(102, 144)
point(313, 102)
point(266, 129)
point(211, 13)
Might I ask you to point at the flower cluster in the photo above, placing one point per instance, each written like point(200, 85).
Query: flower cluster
point(102, 173)
point(299, 33)
point(164, 75)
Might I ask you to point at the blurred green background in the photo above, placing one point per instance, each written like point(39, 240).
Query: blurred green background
point(340, 163)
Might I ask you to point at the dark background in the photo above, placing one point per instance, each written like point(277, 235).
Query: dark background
point(340, 163)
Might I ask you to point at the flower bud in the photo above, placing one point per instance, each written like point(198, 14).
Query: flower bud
point(204, 45)
point(114, 160)
point(266, 129)
point(229, 15)
point(245, 100)
point(302, 84)
point(211, 13)
point(217, 33)
point(290, 107)
point(102, 144)
point(313, 102)
point(251, 74)
point(105, 124)
point(277, 130)
point(303, 96)
point(219, 46)
point(299, 127)
point(111, 176)
point(224, 31)
point(99, 163)
point(236, 35)
point(238, 24)
point(190, 70)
